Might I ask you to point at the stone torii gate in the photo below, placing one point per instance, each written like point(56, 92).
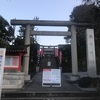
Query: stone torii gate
point(72, 25)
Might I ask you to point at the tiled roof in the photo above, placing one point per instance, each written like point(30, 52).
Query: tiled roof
point(16, 49)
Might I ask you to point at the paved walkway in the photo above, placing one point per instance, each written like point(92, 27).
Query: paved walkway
point(36, 85)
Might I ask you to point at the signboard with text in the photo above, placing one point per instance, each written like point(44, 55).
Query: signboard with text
point(2, 61)
point(51, 77)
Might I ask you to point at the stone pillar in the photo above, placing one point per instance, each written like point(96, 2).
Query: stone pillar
point(74, 76)
point(26, 56)
point(90, 47)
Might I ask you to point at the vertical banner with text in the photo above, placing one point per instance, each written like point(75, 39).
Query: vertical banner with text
point(2, 62)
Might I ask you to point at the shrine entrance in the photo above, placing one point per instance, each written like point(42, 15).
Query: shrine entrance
point(67, 89)
point(72, 33)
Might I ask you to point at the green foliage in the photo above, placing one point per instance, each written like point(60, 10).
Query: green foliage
point(3, 43)
point(94, 2)
point(18, 41)
point(68, 39)
point(86, 14)
point(6, 32)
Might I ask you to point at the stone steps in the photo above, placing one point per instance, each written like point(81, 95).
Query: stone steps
point(14, 80)
point(51, 96)
point(44, 62)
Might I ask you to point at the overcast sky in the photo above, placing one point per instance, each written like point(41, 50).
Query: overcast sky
point(44, 9)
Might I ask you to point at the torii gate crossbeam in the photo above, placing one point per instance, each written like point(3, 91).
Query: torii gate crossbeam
point(51, 33)
point(47, 23)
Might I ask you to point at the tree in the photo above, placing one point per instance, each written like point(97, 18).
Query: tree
point(6, 32)
point(19, 40)
point(86, 14)
point(68, 39)
point(95, 2)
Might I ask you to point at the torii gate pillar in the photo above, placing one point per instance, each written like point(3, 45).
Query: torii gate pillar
point(74, 76)
point(26, 56)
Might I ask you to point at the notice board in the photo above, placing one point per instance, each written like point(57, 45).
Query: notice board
point(51, 77)
point(11, 62)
